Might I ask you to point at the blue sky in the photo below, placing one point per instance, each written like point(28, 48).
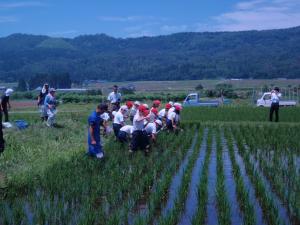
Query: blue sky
point(134, 18)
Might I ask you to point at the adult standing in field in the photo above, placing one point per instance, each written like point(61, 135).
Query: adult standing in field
point(5, 104)
point(94, 140)
point(119, 119)
point(1, 133)
point(40, 102)
point(275, 95)
point(114, 99)
point(50, 105)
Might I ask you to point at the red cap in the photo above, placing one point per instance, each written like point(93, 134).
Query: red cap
point(177, 107)
point(168, 106)
point(156, 102)
point(154, 110)
point(129, 104)
point(145, 112)
point(142, 108)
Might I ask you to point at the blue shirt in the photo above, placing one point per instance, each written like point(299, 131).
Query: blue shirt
point(95, 121)
point(50, 100)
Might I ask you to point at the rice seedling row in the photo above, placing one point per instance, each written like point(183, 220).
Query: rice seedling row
point(170, 215)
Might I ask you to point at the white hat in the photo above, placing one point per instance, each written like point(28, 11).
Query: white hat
point(158, 122)
point(177, 104)
point(171, 103)
point(9, 91)
point(146, 106)
point(52, 90)
point(136, 103)
point(124, 107)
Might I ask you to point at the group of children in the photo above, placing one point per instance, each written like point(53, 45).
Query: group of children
point(134, 123)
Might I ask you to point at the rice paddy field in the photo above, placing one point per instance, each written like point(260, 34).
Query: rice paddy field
point(229, 165)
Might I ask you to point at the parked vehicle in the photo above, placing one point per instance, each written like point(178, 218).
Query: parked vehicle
point(265, 101)
point(193, 99)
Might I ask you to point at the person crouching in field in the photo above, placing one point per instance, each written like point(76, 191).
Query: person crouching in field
point(124, 133)
point(275, 95)
point(119, 119)
point(134, 110)
point(50, 105)
point(173, 119)
point(5, 104)
point(152, 129)
point(94, 141)
point(40, 102)
point(139, 137)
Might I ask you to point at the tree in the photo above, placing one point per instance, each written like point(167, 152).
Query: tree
point(199, 87)
point(22, 86)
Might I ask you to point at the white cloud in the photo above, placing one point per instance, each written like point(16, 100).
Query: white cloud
point(128, 18)
point(21, 4)
point(8, 19)
point(66, 33)
point(173, 28)
point(260, 15)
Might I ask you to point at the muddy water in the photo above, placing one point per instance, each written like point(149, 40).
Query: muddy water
point(283, 213)
point(212, 216)
point(251, 191)
point(176, 182)
point(230, 186)
point(191, 203)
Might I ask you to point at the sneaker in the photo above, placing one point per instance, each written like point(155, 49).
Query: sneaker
point(100, 155)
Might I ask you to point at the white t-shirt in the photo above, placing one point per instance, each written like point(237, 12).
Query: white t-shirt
point(275, 97)
point(127, 128)
point(105, 116)
point(114, 97)
point(137, 125)
point(119, 118)
point(171, 115)
point(162, 113)
point(133, 111)
point(150, 128)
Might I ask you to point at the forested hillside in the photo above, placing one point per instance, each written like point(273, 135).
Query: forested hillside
point(250, 54)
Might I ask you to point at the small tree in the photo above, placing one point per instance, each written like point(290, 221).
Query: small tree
point(199, 87)
point(22, 86)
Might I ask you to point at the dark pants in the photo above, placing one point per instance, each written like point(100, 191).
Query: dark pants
point(122, 136)
point(116, 128)
point(1, 135)
point(169, 125)
point(5, 112)
point(139, 140)
point(274, 107)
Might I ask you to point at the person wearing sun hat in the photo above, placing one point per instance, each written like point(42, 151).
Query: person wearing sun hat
point(50, 104)
point(5, 104)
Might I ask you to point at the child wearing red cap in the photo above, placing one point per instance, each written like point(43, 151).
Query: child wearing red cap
point(139, 137)
point(173, 119)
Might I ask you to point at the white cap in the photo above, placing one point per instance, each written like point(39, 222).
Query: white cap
point(146, 106)
point(171, 103)
point(9, 91)
point(124, 107)
point(136, 103)
point(177, 104)
point(158, 122)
